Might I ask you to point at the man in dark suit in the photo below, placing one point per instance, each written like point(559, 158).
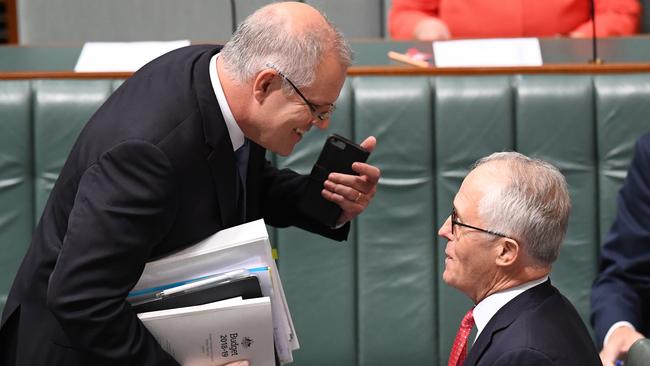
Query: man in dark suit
point(156, 170)
point(620, 297)
point(508, 221)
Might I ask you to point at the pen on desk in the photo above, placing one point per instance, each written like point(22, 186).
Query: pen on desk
point(400, 57)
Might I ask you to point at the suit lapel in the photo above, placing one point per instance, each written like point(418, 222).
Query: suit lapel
point(505, 317)
point(221, 157)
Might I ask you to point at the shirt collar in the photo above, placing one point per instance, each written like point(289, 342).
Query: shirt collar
point(485, 310)
point(235, 133)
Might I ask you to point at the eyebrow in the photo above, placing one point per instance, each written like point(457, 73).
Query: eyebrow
point(457, 215)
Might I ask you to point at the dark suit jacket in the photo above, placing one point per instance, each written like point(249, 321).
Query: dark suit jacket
point(152, 172)
point(538, 327)
point(622, 289)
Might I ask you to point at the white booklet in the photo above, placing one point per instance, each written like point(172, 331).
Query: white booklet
point(245, 246)
point(217, 332)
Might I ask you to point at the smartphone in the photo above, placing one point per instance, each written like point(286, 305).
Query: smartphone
point(337, 155)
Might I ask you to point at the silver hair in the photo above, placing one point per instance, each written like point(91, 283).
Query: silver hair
point(264, 39)
point(533, 207)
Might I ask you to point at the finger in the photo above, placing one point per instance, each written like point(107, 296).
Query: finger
point(238, 363)
point(347, 192)
point(606, 361)
point(369, 143)
point(360, 192)
point(369, 176)
point(372, 172)
point(244, 363)
point(608, 356)
point(346, 205)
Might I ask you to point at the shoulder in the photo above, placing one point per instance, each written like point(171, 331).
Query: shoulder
point(642, 149)
point(550, 331)
point(524, 356)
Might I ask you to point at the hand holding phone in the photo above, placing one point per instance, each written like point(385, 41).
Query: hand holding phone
point(337, 155)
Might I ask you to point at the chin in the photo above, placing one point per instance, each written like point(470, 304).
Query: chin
point(286, 150)
point(282, 149)
point(449, 279)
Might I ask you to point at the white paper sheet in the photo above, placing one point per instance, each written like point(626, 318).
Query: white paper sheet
point(121, 56)
point(488, 52)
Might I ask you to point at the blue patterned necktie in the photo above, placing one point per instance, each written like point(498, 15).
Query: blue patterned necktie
point(241, 163)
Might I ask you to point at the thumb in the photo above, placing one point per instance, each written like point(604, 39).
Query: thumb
point(369, 143)
point(607, 357)
point(239, 363)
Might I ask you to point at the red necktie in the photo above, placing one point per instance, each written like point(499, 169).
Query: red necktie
point(459, 350)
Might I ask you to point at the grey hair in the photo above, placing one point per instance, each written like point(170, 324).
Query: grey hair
point(266, 40)
point(533, 207)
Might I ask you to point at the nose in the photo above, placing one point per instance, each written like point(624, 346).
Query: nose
point(445, 229)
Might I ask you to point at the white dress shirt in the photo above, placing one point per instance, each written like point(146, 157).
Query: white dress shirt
point(236, 134)
point(485, 310)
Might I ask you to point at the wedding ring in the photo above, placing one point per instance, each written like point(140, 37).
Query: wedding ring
point(358, 198)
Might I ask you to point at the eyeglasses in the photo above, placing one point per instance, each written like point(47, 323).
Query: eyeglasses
point(312, 107)
point(454, 221)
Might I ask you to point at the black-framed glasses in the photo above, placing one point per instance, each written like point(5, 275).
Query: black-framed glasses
point(454, 221)
point(312, 107)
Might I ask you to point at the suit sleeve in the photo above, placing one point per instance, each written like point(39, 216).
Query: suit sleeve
point(124, 205)
point(525, 356)
point(283, 189)
point(614, 18)
point(621, 290)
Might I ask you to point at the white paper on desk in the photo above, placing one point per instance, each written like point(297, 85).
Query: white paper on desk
point(122, 56)
point(488, 52)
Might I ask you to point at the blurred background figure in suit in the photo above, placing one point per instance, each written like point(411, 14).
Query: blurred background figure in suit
point(620, 297)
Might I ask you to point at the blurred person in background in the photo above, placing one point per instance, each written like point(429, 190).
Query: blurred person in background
point(431, 20)
point(620, 296)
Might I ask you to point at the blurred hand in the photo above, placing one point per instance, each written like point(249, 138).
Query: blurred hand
point(618, 344)
point(577, 35)
point(353, 193)
point(208, 363)
point(431, 29)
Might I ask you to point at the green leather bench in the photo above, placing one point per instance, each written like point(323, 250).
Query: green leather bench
point(378, 299)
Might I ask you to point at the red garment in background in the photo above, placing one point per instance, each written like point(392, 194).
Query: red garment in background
point(516, 18)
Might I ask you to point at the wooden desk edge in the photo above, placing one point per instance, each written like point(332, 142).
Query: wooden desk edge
point(389, 70)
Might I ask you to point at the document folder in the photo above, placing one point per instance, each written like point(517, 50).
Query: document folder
point(246, 287)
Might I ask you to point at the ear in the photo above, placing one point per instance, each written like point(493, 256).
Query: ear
point(262, 85)
point(508, 252)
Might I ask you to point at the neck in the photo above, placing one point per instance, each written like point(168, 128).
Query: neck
point(505, 281)
point(235, 93)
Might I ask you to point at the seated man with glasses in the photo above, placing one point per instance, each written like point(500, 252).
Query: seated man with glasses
point(506, 226)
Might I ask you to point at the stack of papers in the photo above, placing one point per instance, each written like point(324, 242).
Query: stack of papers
point(227, 256)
